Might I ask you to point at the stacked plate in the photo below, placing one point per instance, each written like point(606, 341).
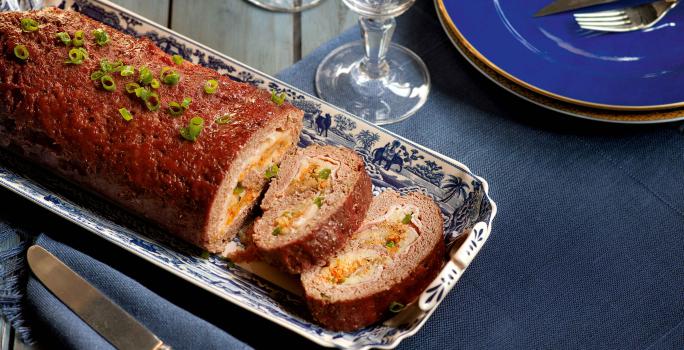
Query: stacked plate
point(633, 77)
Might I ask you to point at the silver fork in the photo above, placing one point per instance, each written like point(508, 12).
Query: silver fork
point(626, 19)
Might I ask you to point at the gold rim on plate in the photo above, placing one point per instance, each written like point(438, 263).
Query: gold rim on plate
point(524, 91)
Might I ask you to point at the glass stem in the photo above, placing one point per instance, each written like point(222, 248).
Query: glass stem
point(377, 36)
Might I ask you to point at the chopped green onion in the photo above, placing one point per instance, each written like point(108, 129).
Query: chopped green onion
point(126, 114)
point(205, 255)
point(142, 92)
point(127, 71)
point(278, 99)
point(229, 262)
point(277, 231)
point(106, 66)
point(21, 52)
point(390, 244)
point(225, 119)
point(144, 75)
point(186, 102)
point(78, 38)
point(193, 130)
point(132, 87)
point(396, 307)
point(169, 76)
point(407, 219)
point(175, 109)
point(101, 37)
point(211, 86)
point(154, 84)
point(108, 83)
point(29, 25)
point(152, 101)
point(77, 55)
point(272, 171)
point(324, 174)
point(318, 201)
point(177, 59)
point(238, 189)
point(64, 38)
point(97, 75)
point(117, 66)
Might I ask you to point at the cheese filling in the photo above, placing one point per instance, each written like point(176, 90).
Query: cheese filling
point(379, 242)
point(274, 147)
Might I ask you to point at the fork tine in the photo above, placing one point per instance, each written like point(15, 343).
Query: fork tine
point(599, 14)
point(601, 19)
point(604, 23)
point(625, 28)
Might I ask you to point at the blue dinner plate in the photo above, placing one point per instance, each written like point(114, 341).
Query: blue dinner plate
point(551, 55)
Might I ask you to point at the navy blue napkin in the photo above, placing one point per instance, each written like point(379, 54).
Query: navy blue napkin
point(587, 250)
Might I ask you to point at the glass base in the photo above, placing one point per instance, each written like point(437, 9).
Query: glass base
point(285, 5)
point(390, 99)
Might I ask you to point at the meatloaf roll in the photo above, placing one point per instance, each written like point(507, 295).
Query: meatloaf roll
point(318, 200)
point(390, 260)
point(172, 141)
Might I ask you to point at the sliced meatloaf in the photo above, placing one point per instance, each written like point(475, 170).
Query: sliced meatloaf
point(318, 200)
point(390, 260)
point(197, 182)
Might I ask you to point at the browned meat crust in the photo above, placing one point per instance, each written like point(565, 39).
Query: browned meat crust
point(55, 115)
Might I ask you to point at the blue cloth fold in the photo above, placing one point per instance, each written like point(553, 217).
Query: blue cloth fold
point(587, 250)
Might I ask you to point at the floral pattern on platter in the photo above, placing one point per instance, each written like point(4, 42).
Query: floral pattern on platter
point(391, 161)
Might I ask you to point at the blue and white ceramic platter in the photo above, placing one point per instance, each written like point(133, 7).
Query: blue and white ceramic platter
point(392, 162)
point(551, 55)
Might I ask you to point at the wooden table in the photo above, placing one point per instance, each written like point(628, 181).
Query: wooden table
point(267, 41)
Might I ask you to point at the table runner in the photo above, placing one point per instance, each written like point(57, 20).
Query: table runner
point(587, 250)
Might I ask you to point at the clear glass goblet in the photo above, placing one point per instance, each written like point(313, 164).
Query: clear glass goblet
point(285, 5)
point(374, 79)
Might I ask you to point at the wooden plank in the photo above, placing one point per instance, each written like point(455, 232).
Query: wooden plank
point(156, 10)
point(259, 38)
point(325, 22)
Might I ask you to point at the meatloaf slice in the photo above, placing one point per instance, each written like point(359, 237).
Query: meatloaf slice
point(318, 200)
point(53, 113)
point(391, 259)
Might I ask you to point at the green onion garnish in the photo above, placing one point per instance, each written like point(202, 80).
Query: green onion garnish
point(175, 109)
point(117, 66)
point(108, 83)
point(396, 307)
point(238, 189)
point(78, 38)
point(64, 38)
point(193, 130)
point(142, 92)
point(132, 87)
point(272, 171)
point(106, 66)
point(324, 174)
point(225, 119)
point(277, 99)
point(126, 114)
point(407, 218)
point(97, 75)
point(144, 75)
point(101, 37)
point(210, 86)
point(21, 52)
point(127, 71)
point(169, 76)
point(205, 255)
point(390, 244)
point(177, 59)
point(277, 231)
point(318, 201)
point(186, 102)
point(29, 25)
point(154, 84)
point(77, 55)
point(152, 101)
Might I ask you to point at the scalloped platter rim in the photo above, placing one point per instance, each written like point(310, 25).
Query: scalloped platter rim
point(392, 162)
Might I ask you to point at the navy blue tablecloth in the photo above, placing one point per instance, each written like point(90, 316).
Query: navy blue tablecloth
point(587, 250)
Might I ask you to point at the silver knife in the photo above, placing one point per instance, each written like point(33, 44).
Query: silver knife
point(100, 313)
point(567, 5)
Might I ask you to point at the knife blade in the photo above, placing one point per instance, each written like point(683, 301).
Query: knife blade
point(98, 311)
point(567, 5)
